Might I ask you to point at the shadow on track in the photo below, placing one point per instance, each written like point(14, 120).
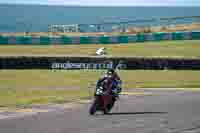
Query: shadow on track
point(136, 113)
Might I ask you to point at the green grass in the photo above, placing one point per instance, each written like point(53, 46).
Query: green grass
point(28, 87)
point(27, 97)
point(187, 49)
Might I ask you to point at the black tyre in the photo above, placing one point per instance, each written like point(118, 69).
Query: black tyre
point(93, 108)
point(105, 111)
point(110, 106)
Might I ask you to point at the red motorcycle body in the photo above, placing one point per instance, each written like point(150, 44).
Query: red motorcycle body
point(102, 102)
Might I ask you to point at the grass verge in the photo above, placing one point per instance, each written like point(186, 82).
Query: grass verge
point(28, 87)
point(27, 97)
point(183, 49)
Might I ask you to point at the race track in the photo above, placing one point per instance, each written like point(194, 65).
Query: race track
point(161, 112)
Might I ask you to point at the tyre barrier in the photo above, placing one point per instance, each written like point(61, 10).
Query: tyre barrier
point(47, 40)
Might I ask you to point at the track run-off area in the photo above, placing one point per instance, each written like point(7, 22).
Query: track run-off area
point(137, 111)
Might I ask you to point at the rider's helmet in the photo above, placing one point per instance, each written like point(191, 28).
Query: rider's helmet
point(110, 72)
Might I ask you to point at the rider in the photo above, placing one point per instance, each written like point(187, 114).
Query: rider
point(111, 85)
point(113, 82)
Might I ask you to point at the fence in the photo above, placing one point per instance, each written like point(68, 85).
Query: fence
point(47, 40)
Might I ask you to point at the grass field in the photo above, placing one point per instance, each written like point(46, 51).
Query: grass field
point(182, 49)
point(28, 87)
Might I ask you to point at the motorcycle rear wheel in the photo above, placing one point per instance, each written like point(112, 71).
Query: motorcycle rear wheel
point(110, 106)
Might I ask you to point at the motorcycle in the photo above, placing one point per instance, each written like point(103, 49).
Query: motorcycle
point(103, 101)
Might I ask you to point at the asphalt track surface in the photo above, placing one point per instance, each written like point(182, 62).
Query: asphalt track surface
point(162, 112)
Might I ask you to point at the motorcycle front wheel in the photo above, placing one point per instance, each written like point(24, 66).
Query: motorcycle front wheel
point(93, 108)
